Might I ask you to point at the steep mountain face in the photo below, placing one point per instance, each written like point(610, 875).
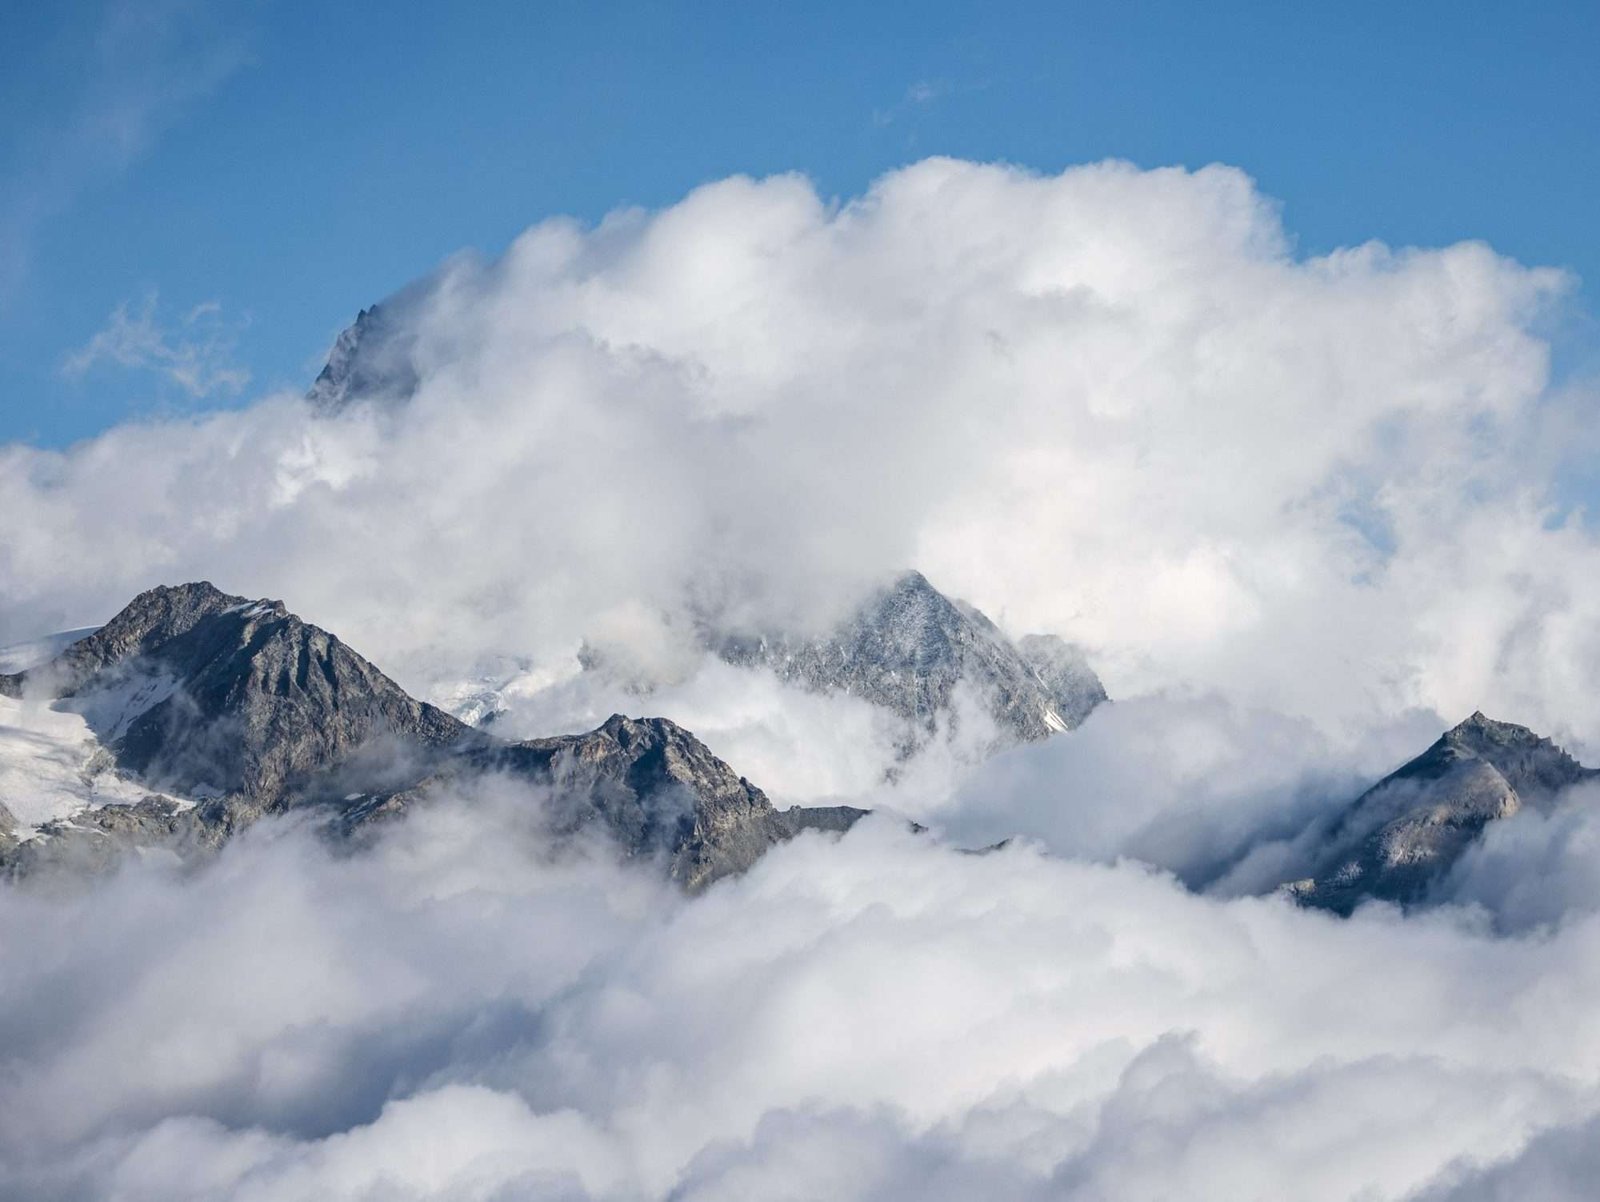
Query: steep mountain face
point(226, 709)
point(1399, 838)
point(909, 647)
point(371, 360)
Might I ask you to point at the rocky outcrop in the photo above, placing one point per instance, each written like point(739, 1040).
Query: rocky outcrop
point(242, 709)
point(909, 647)
point(371, 361)
point(1398, 839)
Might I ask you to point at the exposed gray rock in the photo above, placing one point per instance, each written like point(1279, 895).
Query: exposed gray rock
point(207, 694)
point(829, 818)
point(8, 831)
point(909, 647)
point(647, 782)
point(1399, 838)
point(371, 361)
point(95, 840)
point(246, 708)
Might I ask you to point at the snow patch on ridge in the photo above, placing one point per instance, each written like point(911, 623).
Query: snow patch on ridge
point(112, 708)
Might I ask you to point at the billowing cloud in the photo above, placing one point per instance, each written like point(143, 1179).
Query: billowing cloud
point(1109, 403)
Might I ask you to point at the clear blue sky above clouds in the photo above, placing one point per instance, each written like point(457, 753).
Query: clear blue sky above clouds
point(290, 162)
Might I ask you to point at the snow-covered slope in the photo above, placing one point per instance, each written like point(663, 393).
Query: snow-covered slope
point(51, 765)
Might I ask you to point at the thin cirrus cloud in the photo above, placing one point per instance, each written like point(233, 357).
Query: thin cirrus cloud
point(193, 353)
point(142, 67)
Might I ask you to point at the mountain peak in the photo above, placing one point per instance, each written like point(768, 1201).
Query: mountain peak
point(1399, 838)
point(1480, 725)
point(245, 709)
point(370, 360)
point(209, 693)
point(908, 646)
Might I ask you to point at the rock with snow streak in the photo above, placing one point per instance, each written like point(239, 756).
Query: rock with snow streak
point(909, 648)
point(1397, 840)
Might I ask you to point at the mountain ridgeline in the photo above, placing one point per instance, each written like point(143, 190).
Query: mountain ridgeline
point(229, 709)
point(215, 711)
point(372, 360)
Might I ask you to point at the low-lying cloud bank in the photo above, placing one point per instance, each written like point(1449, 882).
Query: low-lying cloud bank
point(456, 1015)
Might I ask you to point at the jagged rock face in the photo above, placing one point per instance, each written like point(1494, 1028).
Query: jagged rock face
point(371, 360)
point(206, 694)
point(244, 707)
point(656, 787)
point(909, 647)
point(1398, 839)
point(649, 784)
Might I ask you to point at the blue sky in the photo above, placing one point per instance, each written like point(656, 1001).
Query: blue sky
point(249, 175)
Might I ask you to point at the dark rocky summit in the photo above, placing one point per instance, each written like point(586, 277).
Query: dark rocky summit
point(245, 710)
point(909, 647)
point(209, 695)
point(1397, 840)
point(372, 360)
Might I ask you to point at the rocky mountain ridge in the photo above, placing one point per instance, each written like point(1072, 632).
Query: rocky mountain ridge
point(211, 711)
point(229, 709)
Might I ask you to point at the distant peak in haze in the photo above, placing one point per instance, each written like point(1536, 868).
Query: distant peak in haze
point(908, 647)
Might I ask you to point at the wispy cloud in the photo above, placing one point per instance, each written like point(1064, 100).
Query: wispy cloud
point(919, 95)
point(195, 353)
point(145, 63)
